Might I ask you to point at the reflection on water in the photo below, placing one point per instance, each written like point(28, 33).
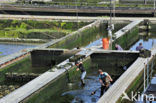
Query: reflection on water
point(95, 43)
point(7, 49)
point(146, 44)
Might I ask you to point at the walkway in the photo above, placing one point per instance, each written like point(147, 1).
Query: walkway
point(71, 18)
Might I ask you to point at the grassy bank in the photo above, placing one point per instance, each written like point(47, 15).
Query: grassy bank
point(30, 29)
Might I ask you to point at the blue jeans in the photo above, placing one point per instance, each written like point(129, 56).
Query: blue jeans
point(83, 75)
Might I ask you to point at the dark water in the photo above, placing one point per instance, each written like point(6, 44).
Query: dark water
point(83, 95)
point(7, 49)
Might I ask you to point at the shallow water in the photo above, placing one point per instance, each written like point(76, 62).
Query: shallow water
point(7, 49)
point(148, 44)
point(83, 94)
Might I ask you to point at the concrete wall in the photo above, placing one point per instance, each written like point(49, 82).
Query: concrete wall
point(70, 41)
point(50, 57)
point(46, 77)
point(124, 36)
point(82, 36)
point(126, 41)
point(107, 61)
point(55, 86)
point(137, 85)
point(130, 80)
point(49, 91)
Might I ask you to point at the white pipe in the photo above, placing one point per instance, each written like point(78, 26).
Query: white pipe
point(144, 78)
point(147, 72)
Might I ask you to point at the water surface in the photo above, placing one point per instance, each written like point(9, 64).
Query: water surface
point(8, 48)
point(148, 44)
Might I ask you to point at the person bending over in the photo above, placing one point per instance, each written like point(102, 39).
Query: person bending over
point(83, 72)
point(105, 80)
point(118, 47)
point(139, 47)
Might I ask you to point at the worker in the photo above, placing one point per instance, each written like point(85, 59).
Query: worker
point(118, 47)
point(83, 71)
point(105, 43)
point(140, 47)
point(104, 79)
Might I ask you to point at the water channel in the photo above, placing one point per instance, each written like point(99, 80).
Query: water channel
point(75, 93)
point(10, 48)
point(61, 91)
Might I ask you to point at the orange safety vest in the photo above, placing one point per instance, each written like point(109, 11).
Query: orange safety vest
point(105, 43)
